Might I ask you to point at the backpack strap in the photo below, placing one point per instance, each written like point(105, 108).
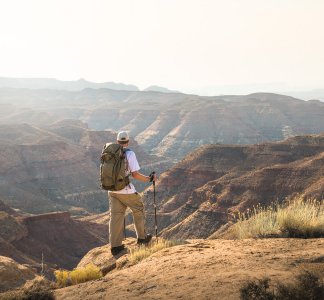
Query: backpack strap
point(124, 152)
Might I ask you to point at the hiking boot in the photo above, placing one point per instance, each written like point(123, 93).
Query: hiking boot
point(117, 250)
point(145, 241)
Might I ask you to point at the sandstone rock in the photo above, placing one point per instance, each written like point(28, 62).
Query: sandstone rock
point(103, 259)
point(205, 269)
point(12, 274)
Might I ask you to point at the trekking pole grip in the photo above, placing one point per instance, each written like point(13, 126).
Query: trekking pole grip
point(152, 177)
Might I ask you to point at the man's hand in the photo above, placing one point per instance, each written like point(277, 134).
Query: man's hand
point(153, 177)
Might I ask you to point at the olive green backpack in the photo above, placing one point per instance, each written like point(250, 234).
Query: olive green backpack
point(113, 167)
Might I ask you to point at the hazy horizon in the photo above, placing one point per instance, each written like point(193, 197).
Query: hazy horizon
point(276, 88)
point(203, 47)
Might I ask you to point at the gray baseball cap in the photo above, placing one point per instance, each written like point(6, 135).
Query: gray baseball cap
point(122, 136)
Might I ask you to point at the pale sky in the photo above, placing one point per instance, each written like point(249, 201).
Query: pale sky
point(179, 44)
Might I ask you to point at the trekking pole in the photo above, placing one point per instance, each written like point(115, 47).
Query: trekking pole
point(125, 228)
point(155, 217)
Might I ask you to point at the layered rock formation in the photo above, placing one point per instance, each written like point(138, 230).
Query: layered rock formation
point(11, 229)
point(55, 238)
point(39, 169)
point(201, 193)
point(62, 240)
point(170, 125)
point(56, 168)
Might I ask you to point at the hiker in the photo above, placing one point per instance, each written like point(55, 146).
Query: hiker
point(127, 197)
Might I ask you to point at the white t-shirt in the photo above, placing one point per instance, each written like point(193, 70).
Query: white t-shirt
point(133, 166)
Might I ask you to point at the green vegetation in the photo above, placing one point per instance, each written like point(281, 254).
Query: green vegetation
point(143, 252)
point(296, 218)
point(65, 278)
point(307, 287)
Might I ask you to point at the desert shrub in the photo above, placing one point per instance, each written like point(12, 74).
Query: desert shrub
point(143, 252)
point(307, 287)
point(62, 277)
point(295, 218)
point(37, 289)
point(39, 293)
point(257, 290)
point(65, 278)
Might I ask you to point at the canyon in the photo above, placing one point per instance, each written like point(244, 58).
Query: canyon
point(215, 157)
point(196, 198)
point(56, 168)
point(55, 239)
point(169, 125)
point(209, 186)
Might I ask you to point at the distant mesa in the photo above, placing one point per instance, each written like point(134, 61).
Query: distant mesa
point(52, 83)
point(156, 88)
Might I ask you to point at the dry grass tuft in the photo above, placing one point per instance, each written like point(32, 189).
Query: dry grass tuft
point(143, 252)
point(296, 218)
point(65, 278)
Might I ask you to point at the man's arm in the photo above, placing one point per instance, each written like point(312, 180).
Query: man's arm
point(134, 168)
point(139, 176)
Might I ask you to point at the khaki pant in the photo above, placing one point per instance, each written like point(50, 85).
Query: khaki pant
point(118, 205)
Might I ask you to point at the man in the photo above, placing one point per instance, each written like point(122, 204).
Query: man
point(127, 197)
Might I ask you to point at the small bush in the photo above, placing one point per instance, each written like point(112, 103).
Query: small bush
point(62, 277)
point(143, 252)
point(36, 289)
point(34, 294)
point(257, 290)
point(65, 278)
point(38, 293)
point(296, 218)
point(307, 287)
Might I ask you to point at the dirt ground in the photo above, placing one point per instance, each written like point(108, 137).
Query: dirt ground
point(205, 269)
